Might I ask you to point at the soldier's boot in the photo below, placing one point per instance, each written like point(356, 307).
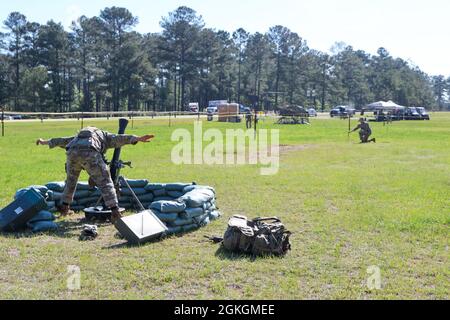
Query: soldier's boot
point(115, 215)
point(65, 211)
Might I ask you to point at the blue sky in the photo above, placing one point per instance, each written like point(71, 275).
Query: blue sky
point(416, 30)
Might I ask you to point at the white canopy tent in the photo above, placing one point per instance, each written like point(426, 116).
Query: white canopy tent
point(383, 105)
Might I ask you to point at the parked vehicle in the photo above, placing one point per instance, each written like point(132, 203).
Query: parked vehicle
point(212, 110)
point(342, 112)
point(312, 112)
point(216, 103)
point(411, 114)
point(244, 110)
point(194, 107)
point(423, 113)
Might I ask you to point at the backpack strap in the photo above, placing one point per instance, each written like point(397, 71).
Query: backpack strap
point(274, 219)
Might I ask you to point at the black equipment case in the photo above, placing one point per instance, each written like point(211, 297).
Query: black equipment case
point(16, 215)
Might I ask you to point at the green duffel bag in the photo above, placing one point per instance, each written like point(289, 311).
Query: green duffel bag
point(260, 236)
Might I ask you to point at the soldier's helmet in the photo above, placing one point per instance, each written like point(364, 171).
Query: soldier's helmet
point(361, 120)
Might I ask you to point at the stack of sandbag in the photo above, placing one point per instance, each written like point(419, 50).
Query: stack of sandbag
point(42, 222)
point(84, 196)
point(183, 207)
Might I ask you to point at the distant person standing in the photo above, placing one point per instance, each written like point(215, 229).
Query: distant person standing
point(364, 131)
point(248, 120)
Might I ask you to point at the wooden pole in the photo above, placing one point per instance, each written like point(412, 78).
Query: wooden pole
point(82, 120)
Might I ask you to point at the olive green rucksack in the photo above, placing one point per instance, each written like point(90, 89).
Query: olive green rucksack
point(260, 236)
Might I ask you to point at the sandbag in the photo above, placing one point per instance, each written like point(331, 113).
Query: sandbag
point(95, 193)
point(42, 216)
point(159, 193)
point(165, 217)
point(195, 187)
point(192, 213)
point(137, 191)
point(56, 186)
point(196, 198)
point(43, 226)
point(204, 222)
point(174, 230)
point(146, 197)
point(125, 205)
point(155, 186)
point(210, 206)
point(213, 215)
point(83, 186)
point(55, 196)
point(86, 201)
point(53, 209)
point(141, 183)
point(176, 186)
point(163, 199)
point(181, 222)
point(175, 194)
point(124, 199)
point(81, 194)
point(146, 204)
point(189, 228)
point(51, 204)
point(41, 189)
point(168, 206)
point(38, 189)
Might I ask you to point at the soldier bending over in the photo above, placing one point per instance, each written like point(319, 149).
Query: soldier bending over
point(85, 151)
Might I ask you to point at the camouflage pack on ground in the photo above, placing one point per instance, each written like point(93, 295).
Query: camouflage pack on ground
point(260, 236)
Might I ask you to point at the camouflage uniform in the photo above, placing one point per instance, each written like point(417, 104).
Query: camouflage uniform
point(248, 120)
point(365, 131)
point(85, 151)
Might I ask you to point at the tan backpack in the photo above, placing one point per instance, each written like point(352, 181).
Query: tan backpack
point(260, 236)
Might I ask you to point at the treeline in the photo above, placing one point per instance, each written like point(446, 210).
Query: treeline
point(102, 64)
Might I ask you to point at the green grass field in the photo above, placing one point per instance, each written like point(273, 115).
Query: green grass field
point(350, 206)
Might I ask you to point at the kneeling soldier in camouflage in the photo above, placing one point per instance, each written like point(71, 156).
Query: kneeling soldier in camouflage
point(365, 131)
point(85, 151)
